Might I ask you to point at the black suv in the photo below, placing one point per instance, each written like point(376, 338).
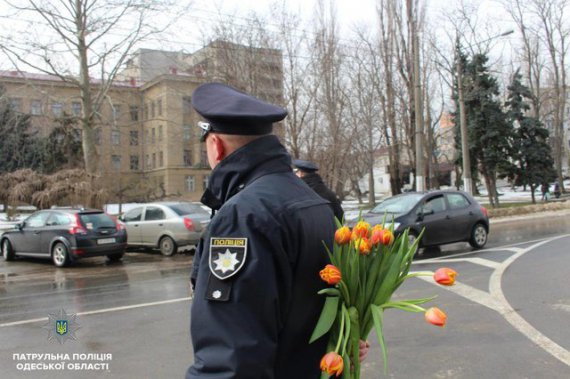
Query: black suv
point(447, 216)
point(65, 235)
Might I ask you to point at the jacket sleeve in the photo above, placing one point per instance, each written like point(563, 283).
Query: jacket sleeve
point(238, 338)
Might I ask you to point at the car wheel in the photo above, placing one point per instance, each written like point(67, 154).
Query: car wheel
point(115, 257)
point(412, 237)
point(7, 251)
point(478, 236)
point(167, 246)
point(60, 255)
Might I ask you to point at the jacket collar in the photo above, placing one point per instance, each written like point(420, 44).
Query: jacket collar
point(260, 157)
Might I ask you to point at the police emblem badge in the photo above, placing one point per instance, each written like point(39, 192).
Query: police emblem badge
point(227, 256)
point(61, 327)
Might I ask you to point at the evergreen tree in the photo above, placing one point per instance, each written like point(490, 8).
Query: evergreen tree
point(533, 164)
point(19, 146)
point(62, 149)
point(489, 131)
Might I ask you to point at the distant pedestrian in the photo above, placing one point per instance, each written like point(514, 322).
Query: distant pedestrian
point(545, 192)
point(557, 190)
point(307, 171)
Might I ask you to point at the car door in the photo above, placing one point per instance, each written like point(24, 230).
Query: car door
point(132, 220)
point(29, 238)
point(461, 216)
point(435, 219)
point(152, 225)
point(57, 225)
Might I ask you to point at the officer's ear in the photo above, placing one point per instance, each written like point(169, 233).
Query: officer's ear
point(219, 146)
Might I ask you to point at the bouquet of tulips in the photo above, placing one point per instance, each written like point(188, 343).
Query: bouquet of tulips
point(367, 266)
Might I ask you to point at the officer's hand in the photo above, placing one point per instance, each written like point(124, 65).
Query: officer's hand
point(364, 346)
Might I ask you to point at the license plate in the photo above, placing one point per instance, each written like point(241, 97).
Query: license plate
point(103, 241)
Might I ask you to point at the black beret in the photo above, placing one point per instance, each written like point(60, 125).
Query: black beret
point(231, 111)
point(305, 165)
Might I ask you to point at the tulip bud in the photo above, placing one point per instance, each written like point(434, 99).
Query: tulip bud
point(361, 229)
point(435, 316)
point(363, 245)
point(376, 236)
point(342, 235)
point(331, 274)
point(445, 276)
point(385, 237)
point(332, 363)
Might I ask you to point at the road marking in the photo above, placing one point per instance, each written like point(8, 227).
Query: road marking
point(106, 310)
point(496, 300)
point(562, 307)
point(476, 260)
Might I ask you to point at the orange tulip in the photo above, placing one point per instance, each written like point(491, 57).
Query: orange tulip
point(331, 274)
point(342, 235)
point(383, 236)
point(361, 229)
point(445, 276)
point(363, 245)
point(332, 363)
point(436, 316)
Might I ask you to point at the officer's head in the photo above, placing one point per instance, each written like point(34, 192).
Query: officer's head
point(302, 167)
point(231, 119)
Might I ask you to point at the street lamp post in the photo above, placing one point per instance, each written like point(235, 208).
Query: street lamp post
point(465, 157)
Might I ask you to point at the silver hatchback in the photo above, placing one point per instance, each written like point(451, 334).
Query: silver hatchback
point(165, 225)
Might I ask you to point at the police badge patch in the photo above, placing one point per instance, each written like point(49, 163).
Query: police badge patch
point(227, 256)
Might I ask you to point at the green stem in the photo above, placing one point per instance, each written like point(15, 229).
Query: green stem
point(340, 335)
point(344, 291)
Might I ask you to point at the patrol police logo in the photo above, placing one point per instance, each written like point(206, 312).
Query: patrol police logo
point(61, 327)
point(227, 256)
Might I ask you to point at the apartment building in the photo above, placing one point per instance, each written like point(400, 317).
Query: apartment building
point(146, 135)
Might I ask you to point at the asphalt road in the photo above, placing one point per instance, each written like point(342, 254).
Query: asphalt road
point(509, 315)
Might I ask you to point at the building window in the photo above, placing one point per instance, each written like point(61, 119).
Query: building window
point(204, 158)
point(153, 160)
point(160, 132)
point(187, 158)
point(57, 109)
point(116, 162)
point(186, 105)
point(76, 108)
point(134, 138)
point(116, 111)
point(134, 111)
point(16, 104)
point(98, 136)
point(147, 161)
point(187, 132)
point(134, 162)
point(160, 159)
point(152, 109)
point(146, 111)
point(205, 182)
point(36, 107)
point(190, 183)
point(115, 137)
point(153, 138)
point(159, 107)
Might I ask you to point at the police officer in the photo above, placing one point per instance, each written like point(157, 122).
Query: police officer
point(307, 171)
point(256, 269)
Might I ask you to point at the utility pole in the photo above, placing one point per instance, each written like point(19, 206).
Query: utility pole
point(419, 127)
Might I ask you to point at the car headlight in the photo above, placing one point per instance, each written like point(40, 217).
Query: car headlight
point(396, 225)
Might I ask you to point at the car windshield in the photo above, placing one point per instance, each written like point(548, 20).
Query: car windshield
point(96, 220)
point(182, 209)
point(398, 204)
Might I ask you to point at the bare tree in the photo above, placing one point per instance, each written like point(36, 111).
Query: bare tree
point(97, 35)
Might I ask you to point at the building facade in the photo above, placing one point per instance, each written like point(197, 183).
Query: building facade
point(146, 135)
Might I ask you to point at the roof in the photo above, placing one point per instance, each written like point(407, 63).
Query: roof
point(54, 78)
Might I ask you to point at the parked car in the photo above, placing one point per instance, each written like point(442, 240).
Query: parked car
point(447, 216)
point(165, 225)
point(65, 235)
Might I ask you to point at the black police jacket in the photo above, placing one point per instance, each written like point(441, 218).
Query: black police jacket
point(315, 181)
point(256, 270)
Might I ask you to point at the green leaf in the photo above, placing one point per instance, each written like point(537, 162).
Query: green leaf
point(330, 292)
point(326, 319)
point(324, 375)
point(377, 316)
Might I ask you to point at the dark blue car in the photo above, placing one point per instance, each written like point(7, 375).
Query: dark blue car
point(65, 235)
